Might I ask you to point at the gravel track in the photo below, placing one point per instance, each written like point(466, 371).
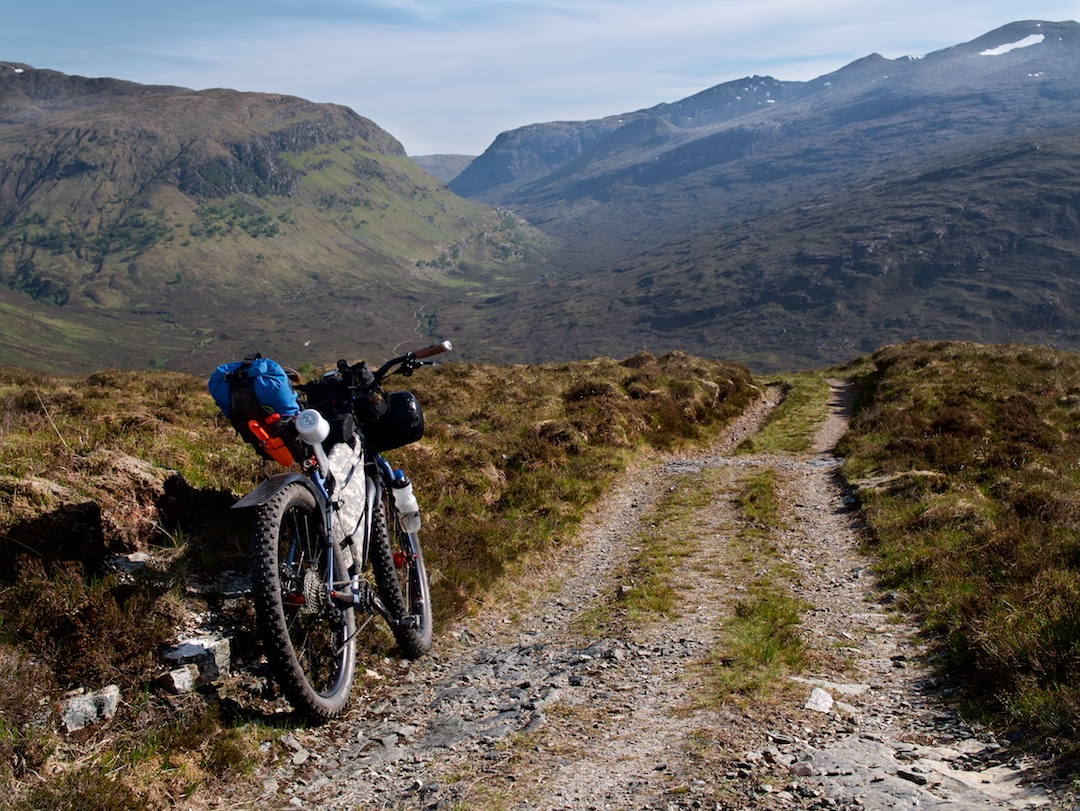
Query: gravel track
point(514, 709)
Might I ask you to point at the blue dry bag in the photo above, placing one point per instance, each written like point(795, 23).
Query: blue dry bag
point(269, 383)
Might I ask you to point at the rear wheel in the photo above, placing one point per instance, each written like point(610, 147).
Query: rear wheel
point(309, 640)
point(401, 579)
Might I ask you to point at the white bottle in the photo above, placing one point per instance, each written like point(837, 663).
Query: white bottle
point(313, 429)
point(405, 501)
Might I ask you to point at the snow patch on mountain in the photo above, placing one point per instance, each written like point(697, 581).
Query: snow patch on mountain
point(1031, 39)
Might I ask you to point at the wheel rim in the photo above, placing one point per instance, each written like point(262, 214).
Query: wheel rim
point(316, 627)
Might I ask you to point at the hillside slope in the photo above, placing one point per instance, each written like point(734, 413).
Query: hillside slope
point(190, 216)
point(982, 246)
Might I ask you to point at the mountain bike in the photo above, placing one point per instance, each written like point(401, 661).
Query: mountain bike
point(321, 535)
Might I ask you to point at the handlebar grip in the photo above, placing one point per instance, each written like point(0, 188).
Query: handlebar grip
point(429, 351)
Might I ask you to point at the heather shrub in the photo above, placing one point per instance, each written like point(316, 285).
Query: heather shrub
point(965, 457)
point(124, 461)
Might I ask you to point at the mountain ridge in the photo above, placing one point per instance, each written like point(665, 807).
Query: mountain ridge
point(185, 210)
point(443, 167)
point(906, 144)
point(744, 101)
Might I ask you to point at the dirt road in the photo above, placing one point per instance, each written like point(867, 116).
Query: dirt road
point(518, 708)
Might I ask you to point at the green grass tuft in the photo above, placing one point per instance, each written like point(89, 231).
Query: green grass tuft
point(759, 640)
point(790, 426)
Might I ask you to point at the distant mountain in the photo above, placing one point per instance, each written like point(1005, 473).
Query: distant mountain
point(537, 151)
point(159, 225)
point(873, 114)
point(983, 246)
point(794, 223)
point(444, 167)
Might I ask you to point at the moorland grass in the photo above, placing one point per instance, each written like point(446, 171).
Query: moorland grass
point(123, 460)
point(967, 463)
point(515, 454)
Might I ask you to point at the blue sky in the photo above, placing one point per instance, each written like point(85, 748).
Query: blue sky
point(447, 76)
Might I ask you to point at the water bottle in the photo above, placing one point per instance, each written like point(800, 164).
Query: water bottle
point(405, 501)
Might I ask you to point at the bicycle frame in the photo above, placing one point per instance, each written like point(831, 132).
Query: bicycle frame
point(350, 490)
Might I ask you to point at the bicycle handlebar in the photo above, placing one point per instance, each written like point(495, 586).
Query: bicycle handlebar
point(437, 349)
point(412, 360)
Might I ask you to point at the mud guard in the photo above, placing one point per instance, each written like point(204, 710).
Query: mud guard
point(274, 485)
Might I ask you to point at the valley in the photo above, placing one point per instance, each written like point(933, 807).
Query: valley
point(782, 225)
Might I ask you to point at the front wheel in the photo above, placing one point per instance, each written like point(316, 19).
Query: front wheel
point(401, 580)
point(309, 641)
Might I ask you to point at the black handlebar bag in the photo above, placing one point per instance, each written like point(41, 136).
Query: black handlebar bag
point(401, 423)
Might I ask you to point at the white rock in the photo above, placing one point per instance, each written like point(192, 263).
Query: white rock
point(211, 654)
point(833, 687)
point(181, 679)
point(82, 711)
point(819, 701)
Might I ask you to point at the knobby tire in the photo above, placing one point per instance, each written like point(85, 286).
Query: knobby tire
point(308, 640)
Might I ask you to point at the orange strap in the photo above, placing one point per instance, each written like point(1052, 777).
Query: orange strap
point(274, 447)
